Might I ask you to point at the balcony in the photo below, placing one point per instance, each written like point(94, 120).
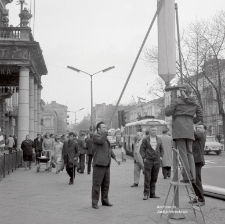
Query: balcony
point(16, 34)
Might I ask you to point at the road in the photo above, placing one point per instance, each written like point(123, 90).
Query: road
point(214, 171)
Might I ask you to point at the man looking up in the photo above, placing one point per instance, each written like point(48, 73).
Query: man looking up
point(198, 153)
point(151, 151)
point(102, 154)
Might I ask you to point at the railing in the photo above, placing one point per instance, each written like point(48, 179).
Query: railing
point(16, 33)
point(9, 162)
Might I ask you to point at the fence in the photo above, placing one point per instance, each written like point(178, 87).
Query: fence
point(9, 162)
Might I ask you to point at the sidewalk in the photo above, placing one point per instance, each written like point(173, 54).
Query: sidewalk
point(28, 197)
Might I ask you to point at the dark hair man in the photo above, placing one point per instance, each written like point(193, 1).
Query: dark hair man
point(38, 146)
point(89, 143)
point(151, 151)
point(27, 146)
point(70, 154)
point(183, 110)
point(198, 153)
point(102, 154)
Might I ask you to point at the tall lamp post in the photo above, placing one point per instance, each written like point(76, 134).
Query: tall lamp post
point(75, 112)
point(91, 75)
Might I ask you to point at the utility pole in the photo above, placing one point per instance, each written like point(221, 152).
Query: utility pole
point(167, 71)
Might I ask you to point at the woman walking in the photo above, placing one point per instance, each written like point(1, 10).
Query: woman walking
point(27, 147)
point(58, 145)
point(48, 144)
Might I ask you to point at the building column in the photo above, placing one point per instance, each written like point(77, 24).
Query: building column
point(31, 107)
point(23, 109)
point(35, 109)
point(39, 109)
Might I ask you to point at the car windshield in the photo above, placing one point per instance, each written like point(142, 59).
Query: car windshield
point(211, 139)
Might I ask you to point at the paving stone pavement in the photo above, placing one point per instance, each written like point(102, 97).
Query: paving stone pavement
point(28, 197)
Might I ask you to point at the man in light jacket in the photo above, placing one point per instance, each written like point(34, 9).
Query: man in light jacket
point(167, 159)
point(183, 109)
point(138, 162)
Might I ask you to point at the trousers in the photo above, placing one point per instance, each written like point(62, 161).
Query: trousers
point(151, 169)
point(82, 162)
point(101, 180)
point(89, 163)
point(185, 149)
point(69, 170)
point(137, 171)
point(198, 185)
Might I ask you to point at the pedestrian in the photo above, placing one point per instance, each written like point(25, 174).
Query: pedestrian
point(27, 147)
point(47, 144)
point(151, 151)
point(198, 152)
point(10, 143)
point(58, 145)
point(167, 159)
point(183, 109)
point(70, 154)
point(138, 162)
point(89, 151)
point(102, 154)
point(82, 149)
point(38, 147)
point(15, 142)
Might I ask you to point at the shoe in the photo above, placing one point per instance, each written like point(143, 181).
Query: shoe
point(165, 177)
point(95, 206)
point(154, 196)
point(81, 172)
point(193, 201)
point(134, 185)
point(88, 172)
point(71, 181)
point(168, 176)
point(145, 197)
point(107, 204)
point(201, 203)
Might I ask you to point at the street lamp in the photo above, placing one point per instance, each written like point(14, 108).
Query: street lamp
point(75, 112)
point(78, 70)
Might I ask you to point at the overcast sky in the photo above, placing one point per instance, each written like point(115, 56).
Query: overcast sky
point(92, 35)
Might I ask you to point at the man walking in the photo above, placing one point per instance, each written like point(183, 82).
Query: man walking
point(89, 148)
point(82, 147)
point(70, 154)
point(102, 154)
point(167, 159)
point(38, 147)
point(183, 110)
point(138, 162)
point(151, 151)
point(198, 152)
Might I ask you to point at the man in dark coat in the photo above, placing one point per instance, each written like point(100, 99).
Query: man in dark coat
point(70, 154)
point(151, 151)
point(82, 149)
point(89, 143)
point(198, 152)
point(102, 154)
point(27, 147)
point(183, 110)
point(38, 147)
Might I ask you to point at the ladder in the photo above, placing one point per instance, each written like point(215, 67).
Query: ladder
point(190, 192)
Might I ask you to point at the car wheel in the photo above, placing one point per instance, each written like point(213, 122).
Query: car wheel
point(218, 153)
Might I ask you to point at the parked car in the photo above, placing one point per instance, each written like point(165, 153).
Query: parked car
point(212, 145)
point(112, 140)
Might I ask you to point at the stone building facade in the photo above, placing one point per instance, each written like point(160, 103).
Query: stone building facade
point(21, 67)
point(60, 117)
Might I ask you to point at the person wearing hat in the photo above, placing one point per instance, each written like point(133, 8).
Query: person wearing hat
point(167, 159)
point(183, 109)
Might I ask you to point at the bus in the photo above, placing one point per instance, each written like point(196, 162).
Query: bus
point(131, 130)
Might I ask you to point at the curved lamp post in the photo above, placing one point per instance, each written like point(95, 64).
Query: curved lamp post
point(75, 112)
